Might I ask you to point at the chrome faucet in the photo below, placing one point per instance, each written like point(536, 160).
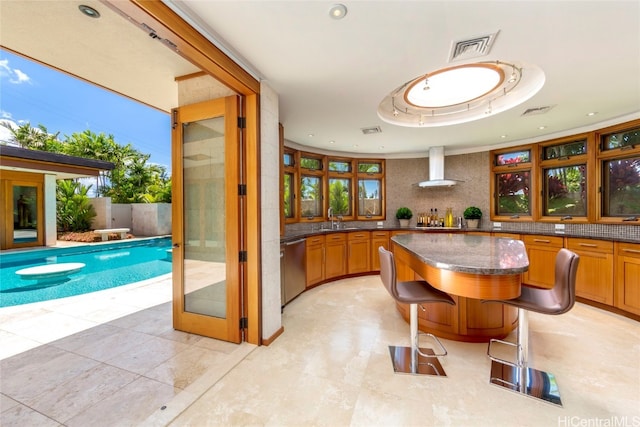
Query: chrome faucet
point(330, 216)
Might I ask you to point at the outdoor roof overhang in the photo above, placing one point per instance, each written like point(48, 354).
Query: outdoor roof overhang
point(61, 165)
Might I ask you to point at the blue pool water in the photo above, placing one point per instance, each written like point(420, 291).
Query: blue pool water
point(107, 266)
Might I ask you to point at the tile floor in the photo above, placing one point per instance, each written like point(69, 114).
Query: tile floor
point(330, 367)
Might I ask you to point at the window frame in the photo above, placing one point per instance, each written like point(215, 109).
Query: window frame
point(342, 175)
point(295, 182)
point(587, 159)
point(371, 176)
point(315, 173)
point(530, 166)
point(618, 153)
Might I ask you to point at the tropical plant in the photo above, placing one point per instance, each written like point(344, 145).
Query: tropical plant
point(73, 209)
point(34, 138)
point(404, 213)
point(472, 212)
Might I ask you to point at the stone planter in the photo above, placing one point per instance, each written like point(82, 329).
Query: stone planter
point(404, 223)
point(473, 223)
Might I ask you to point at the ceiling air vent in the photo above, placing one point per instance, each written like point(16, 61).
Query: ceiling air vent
point(371, 130)
point(537, 110)
point(472, 48)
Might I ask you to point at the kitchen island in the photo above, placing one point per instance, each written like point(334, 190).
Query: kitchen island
point(470, 268)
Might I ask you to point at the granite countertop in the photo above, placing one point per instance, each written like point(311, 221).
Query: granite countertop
point(467, 253)
point(439, 230)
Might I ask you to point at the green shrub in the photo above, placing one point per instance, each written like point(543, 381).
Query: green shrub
point(404, 213)
point(73, 210)
point(472, 213)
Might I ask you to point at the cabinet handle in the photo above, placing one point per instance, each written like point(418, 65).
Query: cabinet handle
point(633, 251)
point(589, 245)
point(542, 240)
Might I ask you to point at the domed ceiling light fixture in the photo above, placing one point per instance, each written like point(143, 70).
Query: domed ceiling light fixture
point(461, 94)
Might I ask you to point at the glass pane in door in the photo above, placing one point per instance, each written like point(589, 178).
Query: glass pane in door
point(205, 290)
point(25, 214)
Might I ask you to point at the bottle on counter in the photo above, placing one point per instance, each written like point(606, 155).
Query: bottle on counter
point(436, 218)
point(448, 218)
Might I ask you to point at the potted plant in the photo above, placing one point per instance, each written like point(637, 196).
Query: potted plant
point(472, 214)
point(404, 214)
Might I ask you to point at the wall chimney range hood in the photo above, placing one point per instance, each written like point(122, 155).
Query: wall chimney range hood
point(436, 170)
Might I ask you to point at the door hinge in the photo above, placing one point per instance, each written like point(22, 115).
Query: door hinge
point(244, 323)
point(242, 189)
point(242, 122)
point(243, 256)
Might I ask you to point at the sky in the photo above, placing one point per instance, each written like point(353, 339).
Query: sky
point(34, 93)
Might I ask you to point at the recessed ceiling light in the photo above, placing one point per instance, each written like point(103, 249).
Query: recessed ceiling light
point(338, 11)
point(503, 136)
point(310, 135)
point(542, 127)
point(593, 113)
point(332, 142)
point(89, 11)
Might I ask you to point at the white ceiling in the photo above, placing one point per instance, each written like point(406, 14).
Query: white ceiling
point(331, 75)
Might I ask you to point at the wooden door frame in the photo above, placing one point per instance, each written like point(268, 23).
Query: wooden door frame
point(194, 47)
point(9, 180)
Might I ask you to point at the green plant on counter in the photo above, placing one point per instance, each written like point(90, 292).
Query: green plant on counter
point(472, 213)
point(404, 213)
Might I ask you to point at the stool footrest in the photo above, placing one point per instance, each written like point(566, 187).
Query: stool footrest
point(497, 359)
point(443, 351)
point(420, 362)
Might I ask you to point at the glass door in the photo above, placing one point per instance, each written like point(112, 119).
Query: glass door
point(207, 217)
point(26, 227)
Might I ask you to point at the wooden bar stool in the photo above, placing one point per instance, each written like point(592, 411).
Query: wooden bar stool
point(413, 360)
point(518, 376)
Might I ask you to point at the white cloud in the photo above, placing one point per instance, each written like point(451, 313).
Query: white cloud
point(14, 75)
point(22, 77)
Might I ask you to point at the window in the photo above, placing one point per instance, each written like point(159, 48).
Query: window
point(619, 173)
point(341, 187)
point(370, 189)
point(340, 196)
point(288, 195)
point(312, 183)
point(511, 184)
point(369, 198)
point(311, 196)
point(564, 175)
point(289, 185)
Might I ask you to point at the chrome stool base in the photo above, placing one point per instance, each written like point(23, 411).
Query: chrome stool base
point(526, 381)
point(407, 361)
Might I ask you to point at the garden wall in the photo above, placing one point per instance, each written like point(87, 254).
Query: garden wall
point(143, 219)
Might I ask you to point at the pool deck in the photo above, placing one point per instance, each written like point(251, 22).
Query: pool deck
point(86, 357)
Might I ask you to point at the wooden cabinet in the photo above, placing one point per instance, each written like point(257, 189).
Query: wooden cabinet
point(359, 252)
point(335, 255)
point(378, 238)
point(542, 251)
point(315, 260)
point(627, 277)
point(594, 280)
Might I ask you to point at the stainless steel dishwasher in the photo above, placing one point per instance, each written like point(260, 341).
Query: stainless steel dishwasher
point(292, 269)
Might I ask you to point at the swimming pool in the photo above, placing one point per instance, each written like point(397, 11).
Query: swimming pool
point(106, 266)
